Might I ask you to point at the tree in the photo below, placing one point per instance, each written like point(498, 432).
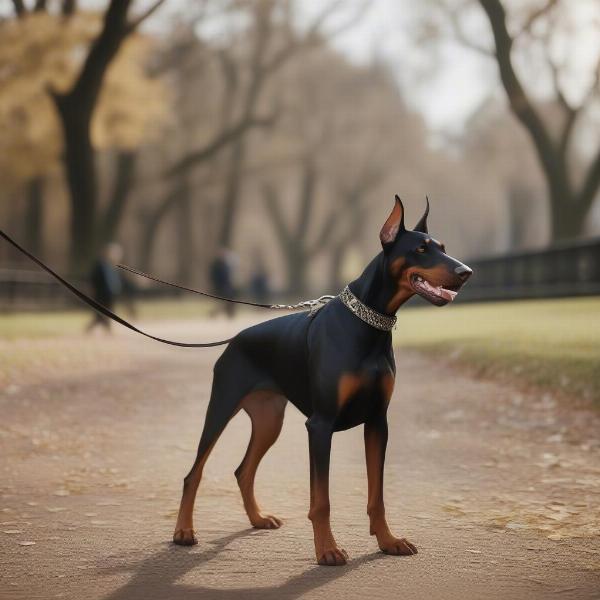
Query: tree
point(37, 55)
point(274, 39)
point(295, 239)
point(346, 144)
point(570, 200)
point(76, 107)
point(192, 59)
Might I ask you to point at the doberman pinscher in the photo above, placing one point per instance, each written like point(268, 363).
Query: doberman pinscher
point(337, 367)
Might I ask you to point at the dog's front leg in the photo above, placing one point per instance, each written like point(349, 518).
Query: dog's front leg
point(376, 435)
point(320, 431)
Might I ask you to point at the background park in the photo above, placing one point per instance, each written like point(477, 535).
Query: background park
point(266, 139)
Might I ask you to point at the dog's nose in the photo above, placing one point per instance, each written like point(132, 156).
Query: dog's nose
point(463, 272)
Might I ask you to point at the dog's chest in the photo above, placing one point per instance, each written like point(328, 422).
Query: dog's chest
point(361, 394)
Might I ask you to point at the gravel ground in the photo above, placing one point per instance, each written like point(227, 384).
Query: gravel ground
point(498, 488)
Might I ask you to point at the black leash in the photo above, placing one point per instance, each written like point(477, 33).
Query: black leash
point(310, 305)
point(102, 309)
point(187, 289)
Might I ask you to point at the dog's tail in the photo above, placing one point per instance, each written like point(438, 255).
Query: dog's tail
point(102, 309)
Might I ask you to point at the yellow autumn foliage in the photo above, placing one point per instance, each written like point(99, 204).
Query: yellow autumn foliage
point(43, 52)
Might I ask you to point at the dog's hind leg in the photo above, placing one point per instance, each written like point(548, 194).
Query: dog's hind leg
point(266, 411)
point(230, 383)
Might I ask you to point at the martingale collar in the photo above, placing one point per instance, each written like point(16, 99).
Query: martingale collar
point(364, 313)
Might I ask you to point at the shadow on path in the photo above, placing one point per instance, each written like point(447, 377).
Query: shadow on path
point(156, 576)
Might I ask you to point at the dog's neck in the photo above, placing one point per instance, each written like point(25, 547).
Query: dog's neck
point(377, 289)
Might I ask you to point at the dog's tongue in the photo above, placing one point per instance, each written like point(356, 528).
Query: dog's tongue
point(447, 294)
point(440, 291)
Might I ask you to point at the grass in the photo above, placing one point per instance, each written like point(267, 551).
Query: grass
point(50, 324)
point(553, 344)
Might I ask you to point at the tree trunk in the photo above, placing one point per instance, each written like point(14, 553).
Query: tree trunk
point(335, 266)
point(568, 208)
point(232, 191)
point(79, 161)
point(567, 218)
point(76, 108)
point(519, 211)
point(185, 235)
point(123, 181)
point(297, 262)
point(152, 226)
point(34, 216)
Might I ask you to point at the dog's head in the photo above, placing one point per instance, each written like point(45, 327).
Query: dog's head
point(417, 262)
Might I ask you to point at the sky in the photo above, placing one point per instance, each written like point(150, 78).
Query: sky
point(445, 81)
point(457, 79)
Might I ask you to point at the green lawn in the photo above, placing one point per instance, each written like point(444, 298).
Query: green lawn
point(48, 324)
point(553, 344)
point(548, 343)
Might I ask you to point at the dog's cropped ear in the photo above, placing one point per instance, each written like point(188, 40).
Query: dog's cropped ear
point(421, 226)
point(394, 224)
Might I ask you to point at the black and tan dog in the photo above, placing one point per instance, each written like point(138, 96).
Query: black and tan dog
point(337, 367)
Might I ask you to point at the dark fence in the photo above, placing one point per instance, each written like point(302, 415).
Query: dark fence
point(566, 269)
point(29, 290)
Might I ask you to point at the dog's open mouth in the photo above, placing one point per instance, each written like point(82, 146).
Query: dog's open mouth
point(435, 294)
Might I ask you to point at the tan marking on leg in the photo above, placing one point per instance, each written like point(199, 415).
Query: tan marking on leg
point(184, 534)
point(266, 411)
point(375, 443)
point(326, 549)
point(387, 386)
point(348, 386)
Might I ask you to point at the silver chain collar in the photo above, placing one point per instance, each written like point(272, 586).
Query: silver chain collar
point(364, 313)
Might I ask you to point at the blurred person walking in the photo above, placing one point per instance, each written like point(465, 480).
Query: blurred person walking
point(222, 271)
point(259, 280)
point(106, 283)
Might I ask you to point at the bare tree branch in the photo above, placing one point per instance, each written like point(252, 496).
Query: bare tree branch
point(462, 37)
point(313, 34)
point(535, 15)
point(519, 101)
point(555, 70)
point(218, 143)
point(274, 210)
point(147, 13)
point(231, 76)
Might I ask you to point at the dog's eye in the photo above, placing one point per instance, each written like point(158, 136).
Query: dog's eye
point(422, 248)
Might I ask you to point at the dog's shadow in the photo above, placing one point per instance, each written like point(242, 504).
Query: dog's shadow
point(156, 576)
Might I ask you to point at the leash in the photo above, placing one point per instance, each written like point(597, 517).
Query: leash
point(312, 305)
point(102, 309)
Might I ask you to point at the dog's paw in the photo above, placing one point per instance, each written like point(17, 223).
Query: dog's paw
point(266, 522)
point(333, 557)
point(397, 546)
point(185, 537)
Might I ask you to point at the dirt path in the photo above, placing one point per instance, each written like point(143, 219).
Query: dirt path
point(500, 490)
